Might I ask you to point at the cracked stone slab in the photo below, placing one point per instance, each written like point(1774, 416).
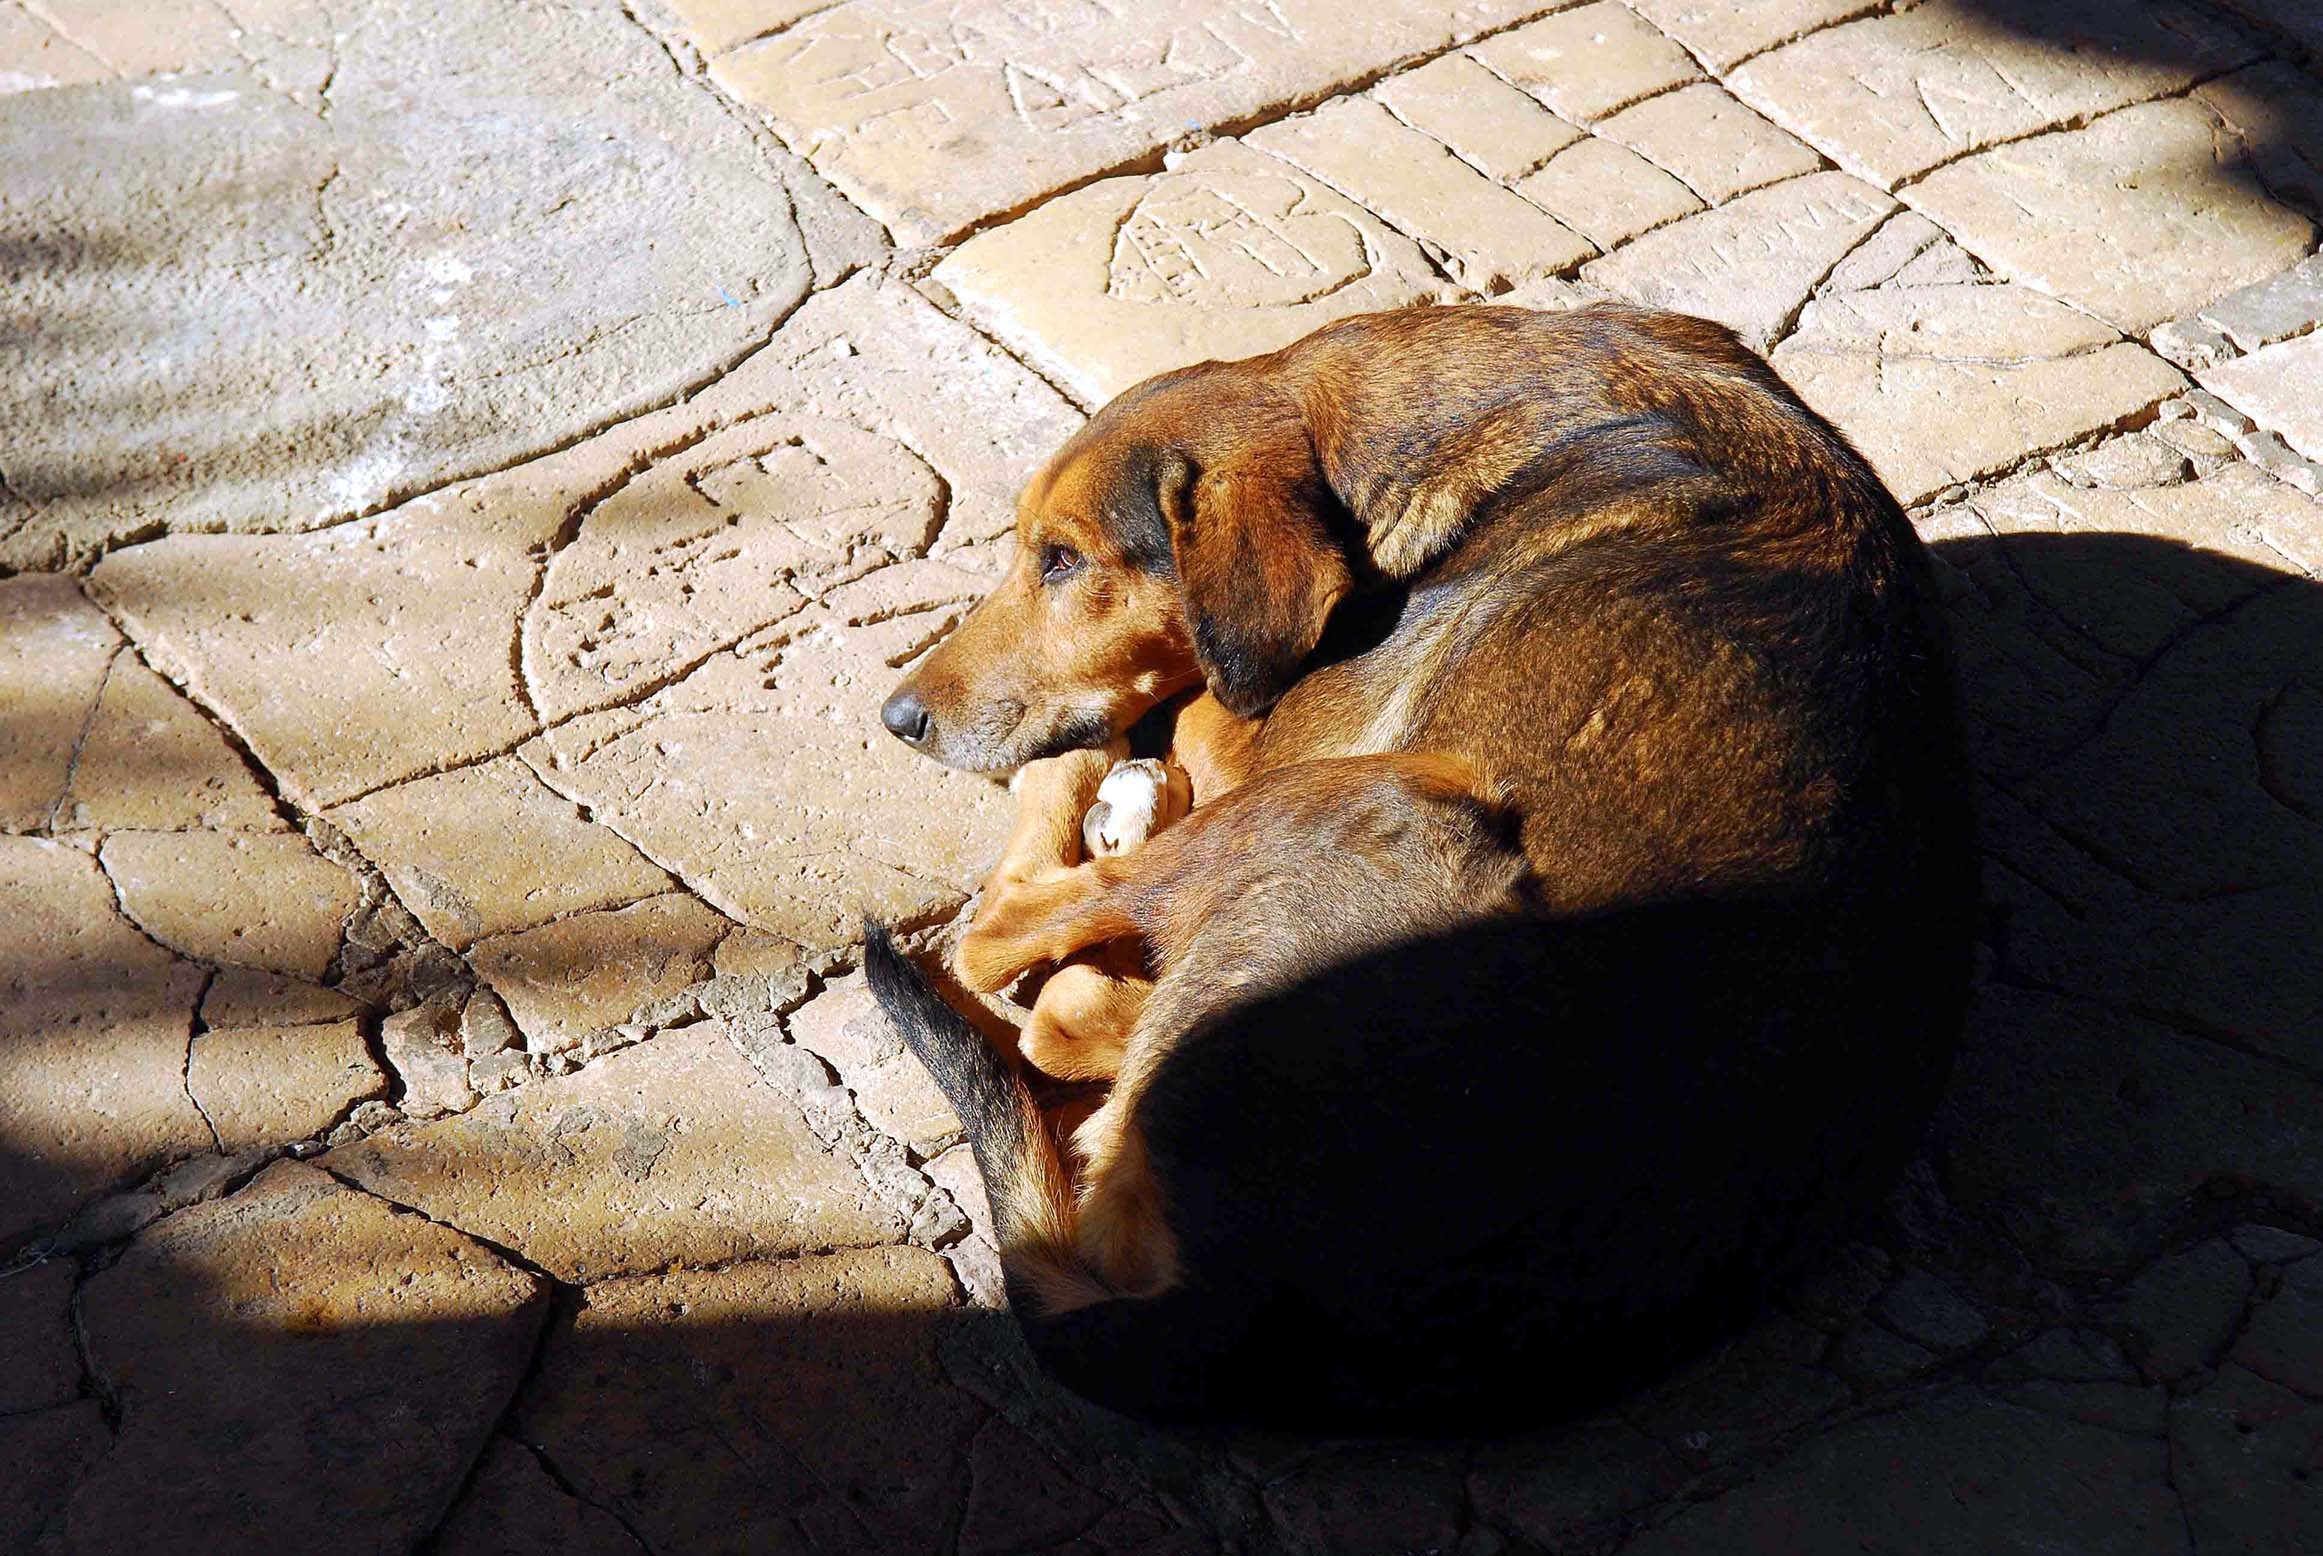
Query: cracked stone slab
point(725, 777)
point(94, 1022)
point(1571, 1488)
point(566, 981)
point(2278, 387)
point(2243, 1459)
point(1717, 147)
point(1722, 34)
point(1586, 62)
point(355, 1359)
point(1493, 127)
point(1888, 97)
point(767, 1406)
point(933, 118)
point(2283, 1342)
point(670, 1152)
point(391, 648)
point(263, 327)
point(843, 1027)
point(39, 1364)
point(1226, 253)
point(43, 1453)
point(150, 761)
point(1607, 192)
point(1752, 263)
point(2182, 1310)
point(55, 652)
point(514, 1508)
point(1939, 385)
point(263, 900)
point(2139, 217)
point(269, 1086)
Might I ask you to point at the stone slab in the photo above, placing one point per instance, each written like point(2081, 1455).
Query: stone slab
point(269, 1086)
point(567, 980)
point(1496, 129)
point(1586, 62)
point(263, 900)
point(150, 760)
point(39, 1365)
point(56, 650)
point(843, 1027)
point(43, 1453)
point(514, 1507)
point(1723, 33)
point(2280, 387)
point(1710, 142)
point(670, 1152)
point(352, 1357)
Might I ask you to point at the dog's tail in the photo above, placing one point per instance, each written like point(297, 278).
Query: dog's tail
point(1024, 1177)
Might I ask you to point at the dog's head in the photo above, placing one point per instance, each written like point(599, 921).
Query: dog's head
point(1184, 535)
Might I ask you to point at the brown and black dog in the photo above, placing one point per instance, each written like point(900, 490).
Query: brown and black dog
point(1573, 925)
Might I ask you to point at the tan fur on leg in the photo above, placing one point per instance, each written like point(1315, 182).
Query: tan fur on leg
point(1121, 1233)
point(1081, 1023)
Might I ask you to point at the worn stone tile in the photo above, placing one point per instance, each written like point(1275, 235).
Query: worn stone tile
point(425, 1049)
point(714, 26)
point(1494, 238)
point(2139, 217)
point(39, 1365)
point(1751, 263)
point(1874, 1358)
point(1225, 254)
point(1891, 96)
point(1715, 145)
point(43, 1455)
point(513, 1508)
point(1019, 1499)
point(1568, 1488)
point(2280, 387)
point(2273, 1245)
point(767, 1406)
point(2275, 309)
point(1586, 62)
point(566, 980)
point(247, 997)
point(266, 1086)
point(1723, 33)
point(1369, 1500)
point(55, 650)
point(724, 778)
point(1490, 125)
point(150, 760)
point(1925, 1309)
point(2283, 1342)
point(2274, 110)
point(354, 1358)
point(490, 849)
point(39, 56)
point(259, 329)
point(2180, 1311)
point(2243, 1460)
point(670, 1152)
point(1899, 243)
point(1606, 192)
point(1764, 1384)
point(1943, 384)
point(94, 1021)
point(1950, 1470)
point(843, 1027)
point(251, 899)
point(931, 122)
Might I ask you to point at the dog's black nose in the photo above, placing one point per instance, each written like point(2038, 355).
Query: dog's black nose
point(906, 717)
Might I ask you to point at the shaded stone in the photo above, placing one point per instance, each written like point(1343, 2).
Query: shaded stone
point(2120, 1407)
point(1226, 253)
point(2283, 1342)
point(845, 1029)
point(1841, 1284)
point(2275, 387)
point(1925, 1309)
point(671, 1152)
point(355, 1359)
point(931, 126)
point(1585, 62)
point(2181, 1311)
point(2244, 1459)
point(256, 900)
point(513, 1508)
point(1747, 1394)
point(149, 759)
point(1940, 1476)
point(260, 328)
point(423, 1046)
point(2079, 1355)
point(94, 1023)
point(1751, 263)
point(38, 1363)
point(786, 1406)
point(565, 981)
point(2271, 1244)
point(1711, 142)
point(1368, 1501)
point(43, 1455)
point(1568, 1488)
point(1019, 1499)
point(263, 1086)
point(55, 652)
point(2139, 217)
point(490, 849)
point(1871, 1357)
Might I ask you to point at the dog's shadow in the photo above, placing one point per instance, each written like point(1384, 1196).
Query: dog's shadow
point(2144, 1055)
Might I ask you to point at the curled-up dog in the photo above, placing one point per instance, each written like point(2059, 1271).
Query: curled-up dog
point(1571, 928)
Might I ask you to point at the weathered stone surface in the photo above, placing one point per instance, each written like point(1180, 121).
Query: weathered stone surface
point(1718, 147)
point(1874, 1358)
point(1722, 34)
point(931, 122)
point(252, 899)
point(1586, 62)
point(1752, 263)
point(285, 1321)
point(1942, 1475)
point(43, 1454)
point(1943, 384)
point(254, 242)
point(424, 1048)
point(262, 1086)
point(844, 1028)
point(2283, 1342)
point(767, 1406)
point(580, 975)
point(1891, 96)
point(1018, 1497)
point(1567, 1488)
point(2277, 386)
point(490, 849)
point(1493, 127)
point(2138, 217)
point(723, 778)
point(94, 1022)
point(1226, 254)
point(38, 1364)
point(150, 760)
point(1369, 1501)
point(671, 1152)
point(1743, 1397)
point(1494, 238)
point(2180, 1312)
point(246, 997)
point(1923, 1308)
point(2271, 1244)
point(2275, 309)
point(55, 649)
point(1606, 192)
point(513, 1508)
point(2243, 1460)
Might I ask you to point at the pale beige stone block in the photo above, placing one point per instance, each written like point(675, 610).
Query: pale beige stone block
point(268, 1086)
point(264, 900)
point(1584, 63)
point(1492, 126)
point(1717, 147)
point(1607, 193)
point(55, 649)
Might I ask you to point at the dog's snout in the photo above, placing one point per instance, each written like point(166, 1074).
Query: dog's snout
point(906, 718)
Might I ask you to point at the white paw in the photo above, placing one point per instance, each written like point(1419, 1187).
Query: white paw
point(1136, 800)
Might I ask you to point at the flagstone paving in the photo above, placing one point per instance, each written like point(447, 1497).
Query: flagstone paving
point(470, 474)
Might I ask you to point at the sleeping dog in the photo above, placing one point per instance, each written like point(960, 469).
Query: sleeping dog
point(1572, 926)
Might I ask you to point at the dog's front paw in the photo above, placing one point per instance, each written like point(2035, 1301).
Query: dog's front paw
point(1136, 800)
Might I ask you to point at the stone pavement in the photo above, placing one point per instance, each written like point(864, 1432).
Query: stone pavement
point(469, 473)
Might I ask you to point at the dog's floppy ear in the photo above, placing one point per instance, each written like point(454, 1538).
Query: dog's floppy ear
point(1256, 562)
